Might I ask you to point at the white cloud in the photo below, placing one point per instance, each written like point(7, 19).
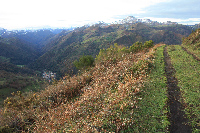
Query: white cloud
point(66, 13)
point(189, 21)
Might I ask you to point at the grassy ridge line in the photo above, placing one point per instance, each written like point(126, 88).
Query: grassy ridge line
point(187, 73)
point(152, 112)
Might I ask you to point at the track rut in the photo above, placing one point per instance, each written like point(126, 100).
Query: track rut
point(176, 116)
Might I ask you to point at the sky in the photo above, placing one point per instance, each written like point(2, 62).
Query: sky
point(19, 14)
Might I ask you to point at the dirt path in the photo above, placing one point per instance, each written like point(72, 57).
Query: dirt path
point(176, 115)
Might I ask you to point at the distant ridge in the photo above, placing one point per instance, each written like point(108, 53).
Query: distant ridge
point(133, 20)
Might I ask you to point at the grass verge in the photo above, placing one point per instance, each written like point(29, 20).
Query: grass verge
point(187, 73)
point(152, 110)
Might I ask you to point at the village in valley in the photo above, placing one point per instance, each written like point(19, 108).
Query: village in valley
point(49, 75)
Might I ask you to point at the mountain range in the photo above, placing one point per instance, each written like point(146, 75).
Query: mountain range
point(56, 49)
point(64, 48)
point(131, 19)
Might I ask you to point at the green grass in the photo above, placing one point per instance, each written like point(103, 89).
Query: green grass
point(21, 66)
point(151, 115)
point(193, 49)
point(34, 87)
point(188, 75)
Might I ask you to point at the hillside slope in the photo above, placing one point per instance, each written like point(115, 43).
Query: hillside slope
point(107, 98)
point(192, 43)
point(89, 40)
point(15, 55)
point(17, 51)
point(15, 78)
point(35, 38)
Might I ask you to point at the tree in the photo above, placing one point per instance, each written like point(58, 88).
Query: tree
point(84, 62)
point(148, 44)
point(136, 47)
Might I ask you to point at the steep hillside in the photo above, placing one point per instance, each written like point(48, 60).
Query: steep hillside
point(35, 38)
point(17, 51)
point(52, 41)
point(15, 78)
point(88, 40)
point(107, 98)
point(192, 43)
point(15, 55)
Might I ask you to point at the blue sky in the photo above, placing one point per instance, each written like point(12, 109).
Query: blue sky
point(19, 14)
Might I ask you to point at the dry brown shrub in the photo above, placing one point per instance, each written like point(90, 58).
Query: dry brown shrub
point(82, 103)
